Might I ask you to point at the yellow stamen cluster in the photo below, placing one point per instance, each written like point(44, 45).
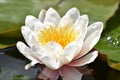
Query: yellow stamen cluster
point(61, 35)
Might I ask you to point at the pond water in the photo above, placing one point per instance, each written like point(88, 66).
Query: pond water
point(12, 68)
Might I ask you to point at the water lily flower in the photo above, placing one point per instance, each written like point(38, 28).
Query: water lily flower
point(61, 44)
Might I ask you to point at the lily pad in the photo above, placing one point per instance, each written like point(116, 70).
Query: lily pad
point(9, 38)
point(96, 10)
point(109, 43)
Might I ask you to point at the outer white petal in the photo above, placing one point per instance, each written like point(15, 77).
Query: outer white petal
point(89, 43)
point(93, 27)
point(29, 36)
point(90, 57)
point(92, 37)
point(52, 16)
point(49, 55)
point(28, 53)
point(74, 14)
point(66, 21)
point(41, 16)
point(29, 21)
point(71, 50)
point(30, 64)
point(81, 25)
point(70, 73)
point(32, 23)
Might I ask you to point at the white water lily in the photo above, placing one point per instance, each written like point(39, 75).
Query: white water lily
point(61, 44)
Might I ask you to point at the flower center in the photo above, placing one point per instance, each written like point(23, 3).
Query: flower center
point(63, 36)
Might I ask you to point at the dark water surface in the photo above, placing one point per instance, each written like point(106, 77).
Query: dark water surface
point(11, 68)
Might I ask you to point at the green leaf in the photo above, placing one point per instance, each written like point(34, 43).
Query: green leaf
point(9, 38)
point(97, 10)
point(109, 43)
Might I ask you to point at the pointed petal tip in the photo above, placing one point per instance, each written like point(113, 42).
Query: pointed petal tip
point(89, 58)
point(41, 15)
point(23, 29)
point(94, 54)
point(51, 9)
point(27, 66)
point(43, 10)
point(74, 13)
point(18, 44)
point(101, 25)
point(30, 65)
point(29, 17)
point(85, 16)
point(29, 21)
point(74, 8)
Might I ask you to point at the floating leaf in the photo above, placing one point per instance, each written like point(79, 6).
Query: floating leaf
point(9, 38)
point(97, 10)
point(109, 43)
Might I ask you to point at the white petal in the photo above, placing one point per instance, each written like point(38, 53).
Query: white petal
point(41, 16)
point(52, 16)
point(48, 24)
point(26, 51)
point(30, 64)
point(81, 25)
point(71, 50)
point(29, 36)
point(90, 57)
point(38, 26)
point(89, 43)
point(70, 73)
point(29, 21)
point(66, 21)
point(74, 14)
point(92, 37)
point(93, 27)
point(49, 55)
point(53, 48)
point(32, 23)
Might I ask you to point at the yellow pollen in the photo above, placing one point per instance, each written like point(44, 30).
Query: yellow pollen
point(63, 36)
